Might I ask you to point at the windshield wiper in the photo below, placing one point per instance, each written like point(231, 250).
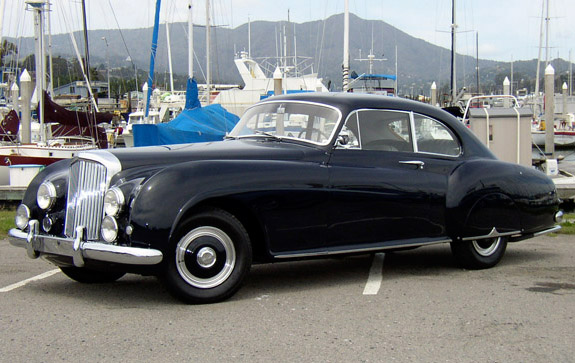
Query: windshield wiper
point(265, 133)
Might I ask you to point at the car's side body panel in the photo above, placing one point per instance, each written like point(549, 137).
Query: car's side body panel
point(288, 198)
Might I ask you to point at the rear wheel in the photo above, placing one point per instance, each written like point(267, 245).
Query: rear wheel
point(209, 258)
point(479, 254)
point(88, 276)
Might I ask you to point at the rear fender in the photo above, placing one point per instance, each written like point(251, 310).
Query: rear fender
point(491, 211)
point(481, 197)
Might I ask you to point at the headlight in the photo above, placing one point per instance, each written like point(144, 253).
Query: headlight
point(22, 216)
point(113, 201)
point(46, 195)
point(109, 229)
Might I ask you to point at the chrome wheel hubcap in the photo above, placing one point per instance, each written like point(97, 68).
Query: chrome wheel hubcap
point(486, 247)
point(205, 257)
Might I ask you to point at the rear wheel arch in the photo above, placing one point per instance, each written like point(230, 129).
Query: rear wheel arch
point(478, 213)
point(494, 210)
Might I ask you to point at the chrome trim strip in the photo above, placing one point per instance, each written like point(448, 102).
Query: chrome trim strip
point(550, 230)
point(80, 250)
point(494, 233)
point(361, 250)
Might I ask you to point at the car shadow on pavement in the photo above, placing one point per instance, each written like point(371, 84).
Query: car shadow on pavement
point(306, 275)
point(134, 291)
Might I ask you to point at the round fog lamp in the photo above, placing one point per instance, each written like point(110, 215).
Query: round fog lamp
point(22, 216)
point(46, 195)
point(113, 201)
point(47, 224)
point(109, 229)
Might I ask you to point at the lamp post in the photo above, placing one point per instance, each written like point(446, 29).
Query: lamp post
point(107, 65)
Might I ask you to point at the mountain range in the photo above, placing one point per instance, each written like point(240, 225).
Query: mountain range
point(419, 63)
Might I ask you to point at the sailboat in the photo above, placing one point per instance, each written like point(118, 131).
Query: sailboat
point(62, 133)
point(564, 131)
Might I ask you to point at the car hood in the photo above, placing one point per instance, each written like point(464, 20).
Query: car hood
point(244, 149)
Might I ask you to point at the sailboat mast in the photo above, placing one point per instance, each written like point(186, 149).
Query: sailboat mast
point(346, 47)
point(38, 8)
point(190, 41)
point(86, 47)
point(153, 58)
point(2, 8)
point(208, 49)
point(570, 75)
point(547, 35)
point(537, 73)
point(50, 64)
point(453, 53)
point(477, 61)
point(170, 57)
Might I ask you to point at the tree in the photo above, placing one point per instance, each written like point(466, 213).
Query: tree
point(7, 48)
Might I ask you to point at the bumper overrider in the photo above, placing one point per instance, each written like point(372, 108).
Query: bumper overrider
point(37, 244)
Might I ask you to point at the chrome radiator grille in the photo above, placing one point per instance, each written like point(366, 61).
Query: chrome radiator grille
point(86, 188)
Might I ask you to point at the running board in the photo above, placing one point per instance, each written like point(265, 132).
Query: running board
point(364, 248)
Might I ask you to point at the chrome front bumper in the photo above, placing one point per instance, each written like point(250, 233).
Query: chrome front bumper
point(79, 249)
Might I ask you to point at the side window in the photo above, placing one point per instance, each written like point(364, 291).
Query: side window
point(385, 130)
point(434, 137)
point(349, 135)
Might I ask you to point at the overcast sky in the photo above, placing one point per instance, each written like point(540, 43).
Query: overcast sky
point(508, 29)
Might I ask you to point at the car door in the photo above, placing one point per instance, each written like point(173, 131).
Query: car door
point(441, 152)
point(380, 187)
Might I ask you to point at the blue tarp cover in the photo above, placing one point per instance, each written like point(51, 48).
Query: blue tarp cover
point(200, 124)
point(375, 76)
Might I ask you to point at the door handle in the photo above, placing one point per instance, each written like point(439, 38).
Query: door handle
point(419, 164)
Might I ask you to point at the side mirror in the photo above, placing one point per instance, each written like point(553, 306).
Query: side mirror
point(342, 140)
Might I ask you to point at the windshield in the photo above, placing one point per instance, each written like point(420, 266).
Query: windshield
point(289, 120)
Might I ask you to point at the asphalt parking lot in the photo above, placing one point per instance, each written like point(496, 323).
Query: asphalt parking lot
point(409, 306)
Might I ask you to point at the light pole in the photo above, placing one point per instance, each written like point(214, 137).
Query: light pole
point(107, 65)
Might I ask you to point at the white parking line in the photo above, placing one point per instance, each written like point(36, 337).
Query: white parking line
point(375, 275)
point(24, 282)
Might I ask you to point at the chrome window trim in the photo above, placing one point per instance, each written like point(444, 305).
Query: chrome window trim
point(412, 131)
point(329, 139)
point(357, 111)
point(456, 137)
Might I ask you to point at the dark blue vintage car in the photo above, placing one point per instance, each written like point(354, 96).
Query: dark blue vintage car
point(299, 176)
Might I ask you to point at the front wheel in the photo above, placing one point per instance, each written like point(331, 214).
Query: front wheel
point(479, 254)
point(210, 256)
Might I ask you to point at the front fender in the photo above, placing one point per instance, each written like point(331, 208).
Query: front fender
point(166, 197)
